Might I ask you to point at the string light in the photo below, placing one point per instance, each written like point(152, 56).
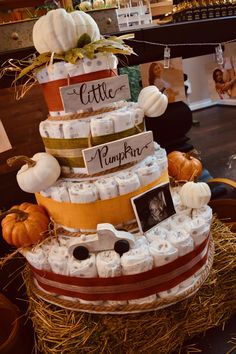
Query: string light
point(183, 44)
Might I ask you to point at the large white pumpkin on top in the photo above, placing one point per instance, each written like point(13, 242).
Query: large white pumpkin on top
point(59, 31)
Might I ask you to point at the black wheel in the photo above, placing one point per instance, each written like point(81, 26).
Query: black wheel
point(121, 247)
point(81, 253)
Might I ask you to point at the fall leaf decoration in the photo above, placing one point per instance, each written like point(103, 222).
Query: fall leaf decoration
point(86, 48)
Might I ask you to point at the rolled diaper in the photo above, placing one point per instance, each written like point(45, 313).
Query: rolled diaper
point(163, 252)
point(148, 173)
point(74, 69)
point(107, 188)
point(175, 196)
point(127, 182)
point(181, 240)
point(157, 233)
point(198, 229)
point(137, 115)
point(76, 129)
point(58, 259)
point(59, 192)
point(169, 293)
point(136, 260)
point(52, 129)
point(47, 193)
point(180, 221)
point(205, 212)
point(84, 192)
point(101, 126)
point(57, 71)
point(122, 121)
point(181, 209)
point(161, 157)
point(108, 264)
point(143, 300)
point(85, 268)
point(37, 257)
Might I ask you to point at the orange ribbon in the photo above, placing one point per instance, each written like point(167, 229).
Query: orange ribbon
point(52, 93)
point(86, 216)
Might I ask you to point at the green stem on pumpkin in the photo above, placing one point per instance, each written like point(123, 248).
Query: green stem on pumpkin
point(21, 215)
point(21, 159)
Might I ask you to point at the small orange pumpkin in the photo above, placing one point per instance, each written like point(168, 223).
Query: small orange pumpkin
point(183, 166)
point(24, 225)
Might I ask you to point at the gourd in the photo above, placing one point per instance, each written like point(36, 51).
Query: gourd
point(38, 173)
point(152, 101)
point(85, 6)
point(24, 225)
point(98, 4)
point(59, 31)
point(183, 166)
point(195, 195)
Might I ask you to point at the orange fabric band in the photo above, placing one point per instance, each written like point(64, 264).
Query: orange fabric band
point(86, 216)
point(51, 90)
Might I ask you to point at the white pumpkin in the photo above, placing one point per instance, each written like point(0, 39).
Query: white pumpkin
point(152, 101)
point(85, 6)
point(59, 31)
point(195, 195)
point(39, 172)
point(98, 4)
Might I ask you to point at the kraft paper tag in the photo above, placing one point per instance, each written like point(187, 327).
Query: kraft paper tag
point(4, 141)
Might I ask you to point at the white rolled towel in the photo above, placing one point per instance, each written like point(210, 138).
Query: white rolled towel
point(127, 182)
point(84, 192)
point(37, 257)
point(136, 260)
point(107, 188)
point(122, 121)
point(148, 173)
point(58, 259)
point(85, 268)
point(108, 264)
point(182, 241)
point(51, 129)
point(101, 126)
point(59, 192)
point(157, 233)
point(163, 252)
point(76, 129)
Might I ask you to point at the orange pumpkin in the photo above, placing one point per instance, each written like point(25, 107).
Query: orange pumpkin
point(183, 166)
point(25, 225)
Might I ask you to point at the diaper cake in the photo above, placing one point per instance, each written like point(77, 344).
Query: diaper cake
point(119, 233)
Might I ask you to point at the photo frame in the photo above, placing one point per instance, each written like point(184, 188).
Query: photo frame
point(153, 207)
point(221, 80)
point(169, 81)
